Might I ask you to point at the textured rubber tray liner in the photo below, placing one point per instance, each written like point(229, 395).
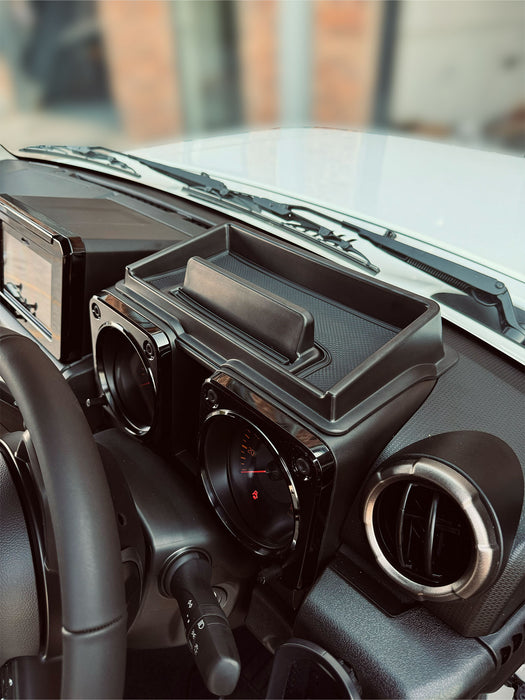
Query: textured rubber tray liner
point(373, 341)
point(348, 337)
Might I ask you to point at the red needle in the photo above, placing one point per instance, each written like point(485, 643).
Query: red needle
point(253, 471)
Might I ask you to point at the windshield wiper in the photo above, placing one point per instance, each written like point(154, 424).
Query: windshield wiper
point(206, 187)
point(90, 153)
point(209, 188)
point(485, 290)
point(291, 220)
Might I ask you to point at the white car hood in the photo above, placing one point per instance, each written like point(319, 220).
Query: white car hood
point(467, 201)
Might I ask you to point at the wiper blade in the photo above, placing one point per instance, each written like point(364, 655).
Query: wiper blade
point(484, 289)
point(203, 184)
point(90, 153)
point(290, 221)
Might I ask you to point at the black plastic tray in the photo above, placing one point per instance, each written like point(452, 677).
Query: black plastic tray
point(361, 336)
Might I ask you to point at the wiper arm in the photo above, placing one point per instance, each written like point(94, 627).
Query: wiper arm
point(484, 289)
point(90, 153)
point(212, 188)
point(204, 181)
point(299, 224)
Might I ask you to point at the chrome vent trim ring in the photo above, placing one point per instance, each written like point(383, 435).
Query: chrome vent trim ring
point(486, 550)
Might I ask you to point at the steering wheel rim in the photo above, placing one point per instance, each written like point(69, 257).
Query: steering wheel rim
point(83, 519)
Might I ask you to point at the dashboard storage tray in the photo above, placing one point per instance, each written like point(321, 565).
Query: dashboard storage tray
point(331, 338)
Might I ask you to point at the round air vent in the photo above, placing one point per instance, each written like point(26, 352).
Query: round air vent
point(432, 542)
point(441, 515)
point(430, 530)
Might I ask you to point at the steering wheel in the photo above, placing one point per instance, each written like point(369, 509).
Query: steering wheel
point(83, 522)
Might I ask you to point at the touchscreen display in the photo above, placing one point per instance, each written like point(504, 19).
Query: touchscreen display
point(27, 278)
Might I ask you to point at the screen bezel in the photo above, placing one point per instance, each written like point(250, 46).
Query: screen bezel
point(51, 251)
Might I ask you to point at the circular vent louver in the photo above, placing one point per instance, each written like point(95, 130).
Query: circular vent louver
point(430, 530)
point(431, 540)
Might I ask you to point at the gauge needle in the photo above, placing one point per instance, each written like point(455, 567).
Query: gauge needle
point(253, 471)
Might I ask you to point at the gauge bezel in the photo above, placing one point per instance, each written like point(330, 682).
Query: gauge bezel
point(108, 383)
point(236, 526)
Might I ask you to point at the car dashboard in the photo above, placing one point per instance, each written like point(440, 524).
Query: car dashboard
point(350, 464)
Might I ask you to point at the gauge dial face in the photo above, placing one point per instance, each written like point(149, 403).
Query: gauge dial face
point(126, 380)
point(250, 481)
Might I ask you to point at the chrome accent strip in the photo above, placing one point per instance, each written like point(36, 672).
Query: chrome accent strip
point(270, 411)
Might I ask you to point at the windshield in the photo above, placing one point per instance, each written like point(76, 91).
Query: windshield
point(192, 76)
point(123, 74)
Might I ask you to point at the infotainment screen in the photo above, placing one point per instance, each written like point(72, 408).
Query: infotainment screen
point(56, 252)
point(27, 279)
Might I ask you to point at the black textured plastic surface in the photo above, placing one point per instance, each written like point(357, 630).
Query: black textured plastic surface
point(413, 655)
point(508, 648)
point(348, 336)
point(410, 656)
point(482, 392)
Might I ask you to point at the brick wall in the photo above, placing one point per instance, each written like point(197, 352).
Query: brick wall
point(7, 99)
point(139, 46)
point(345, 50)
point(347, 37)
point(257, 28)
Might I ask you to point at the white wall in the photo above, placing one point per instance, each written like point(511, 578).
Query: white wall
point(459, 63)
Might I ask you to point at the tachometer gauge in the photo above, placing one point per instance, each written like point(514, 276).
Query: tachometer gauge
point(248, 483)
